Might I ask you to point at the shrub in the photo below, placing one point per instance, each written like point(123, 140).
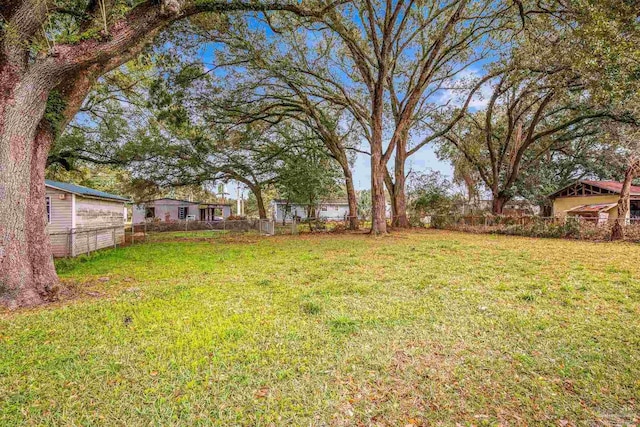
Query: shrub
point(443, 221)
point(236, 218)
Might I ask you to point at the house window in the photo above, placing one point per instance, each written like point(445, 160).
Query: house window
point(635, 209)
point(150, 213)
point(336, 208)
point(183, 211)
point(324, 209)
point(48, 198)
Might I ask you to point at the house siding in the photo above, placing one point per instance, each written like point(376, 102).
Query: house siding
point(165, 210)
point(61, 221)
point(92, 217)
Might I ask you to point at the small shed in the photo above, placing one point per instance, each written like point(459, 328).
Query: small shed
point(81, 219)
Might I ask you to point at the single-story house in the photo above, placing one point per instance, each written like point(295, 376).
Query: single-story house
point(81, 219)
point(330, 210)
point(168, 209)
point(594, 199)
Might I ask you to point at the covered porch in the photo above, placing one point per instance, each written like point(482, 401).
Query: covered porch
point(214, 211)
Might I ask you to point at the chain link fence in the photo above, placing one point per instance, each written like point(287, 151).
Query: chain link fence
point(139, 232)
point(78, 241)
point(535, 226)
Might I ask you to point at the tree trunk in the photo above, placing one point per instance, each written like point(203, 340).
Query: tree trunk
point(617, 232)
point(399, 196)
point(378, 202)
point(498, 203)
point(388, 182)
point(27, 273)
point(262, 212)
point(351, 198)
point(400, 220)
point(44, 272)
point(257, 191)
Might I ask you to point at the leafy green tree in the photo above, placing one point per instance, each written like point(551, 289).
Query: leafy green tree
point(364, 204)
point(529, 113)
point(268, 87)
point(430, 194)
point(307, 176)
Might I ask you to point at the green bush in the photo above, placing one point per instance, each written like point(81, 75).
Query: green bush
point(541, 227)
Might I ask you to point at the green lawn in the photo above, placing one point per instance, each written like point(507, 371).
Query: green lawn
point(210, 328)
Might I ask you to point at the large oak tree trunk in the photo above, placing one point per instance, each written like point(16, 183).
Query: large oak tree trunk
point(378, 203)
point(27, 274)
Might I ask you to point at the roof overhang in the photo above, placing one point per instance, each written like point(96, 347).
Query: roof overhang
point(593, 209)
point(214, 205)
point(595, 188)
point(88, 196)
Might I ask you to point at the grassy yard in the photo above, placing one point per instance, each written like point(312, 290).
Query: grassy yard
point(411, 329)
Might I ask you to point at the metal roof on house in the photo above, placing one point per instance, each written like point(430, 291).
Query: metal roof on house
point(83, 191)
point(610, 186)
point(171, 198)
point(186, 201)
point(324, 202)
point(615, 186)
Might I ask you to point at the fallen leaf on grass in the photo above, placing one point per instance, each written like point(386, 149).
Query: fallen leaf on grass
point(262, 393)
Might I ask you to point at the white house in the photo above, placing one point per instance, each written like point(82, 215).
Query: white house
point(168, 209)
point(330, 210)
point(81, 219)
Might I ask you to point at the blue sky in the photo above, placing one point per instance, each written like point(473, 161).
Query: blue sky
point(423, 160)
